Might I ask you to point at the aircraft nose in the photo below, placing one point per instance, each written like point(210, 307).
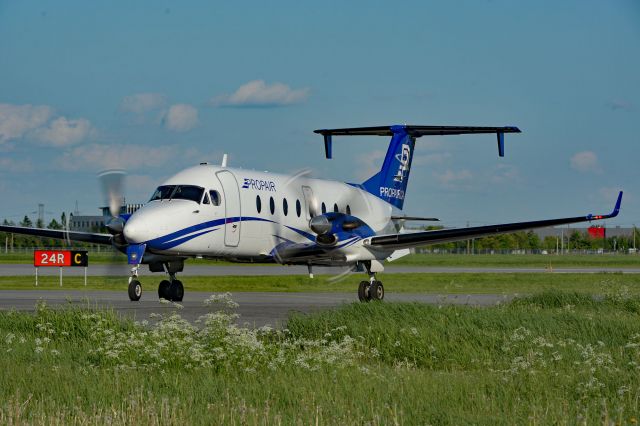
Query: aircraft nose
point(134, 231)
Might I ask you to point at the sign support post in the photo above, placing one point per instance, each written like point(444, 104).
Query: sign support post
point(36, 276)
point(85, 276)
point(61, 276)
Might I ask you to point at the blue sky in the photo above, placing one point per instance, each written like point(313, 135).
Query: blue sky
point(153, 87)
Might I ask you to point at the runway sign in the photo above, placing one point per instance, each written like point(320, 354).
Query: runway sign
point(60, 258)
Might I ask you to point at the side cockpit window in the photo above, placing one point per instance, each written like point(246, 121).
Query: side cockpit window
point(215, 197)
point(205, 199)
point(163, 192)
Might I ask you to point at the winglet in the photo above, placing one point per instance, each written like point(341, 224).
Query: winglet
point(614, 213)
point(327, 144)
point(500, 144)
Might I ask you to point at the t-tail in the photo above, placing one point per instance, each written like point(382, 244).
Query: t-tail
point(390, 183)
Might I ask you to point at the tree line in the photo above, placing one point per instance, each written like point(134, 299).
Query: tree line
point(529, 240)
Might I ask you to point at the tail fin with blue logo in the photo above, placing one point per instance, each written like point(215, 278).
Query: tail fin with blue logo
point(390, 183)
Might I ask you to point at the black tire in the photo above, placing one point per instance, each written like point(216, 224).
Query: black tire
point(163, 289)
point(363, 291)
point(376, 292)
point(176, 291)
point(135, 290)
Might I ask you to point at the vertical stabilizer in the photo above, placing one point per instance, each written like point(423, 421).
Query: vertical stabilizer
point(390, 183)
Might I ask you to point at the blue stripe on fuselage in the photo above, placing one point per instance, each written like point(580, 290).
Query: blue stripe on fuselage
point(176, 238)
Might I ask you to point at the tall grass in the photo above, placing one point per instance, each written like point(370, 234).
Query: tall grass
point(554, 357)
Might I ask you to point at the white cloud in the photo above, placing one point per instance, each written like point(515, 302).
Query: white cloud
point(99, 157)
point(257, 93)
point(17, 120)
point(430, 159)
point(180, 118)
point(370, 163)
point(620, 104)
point(504, 173)
point(15, 166)
point(64, 132)
point(585, 161)
point(454, 179)
point(142, 102)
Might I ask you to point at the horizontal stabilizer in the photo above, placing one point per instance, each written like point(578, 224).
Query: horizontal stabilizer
point(415, 132)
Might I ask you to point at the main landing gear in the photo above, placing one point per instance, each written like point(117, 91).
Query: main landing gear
point(171, 289)
point(370, 290)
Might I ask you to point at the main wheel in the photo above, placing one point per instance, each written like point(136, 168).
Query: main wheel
point(363, 291)
point(135, 290)
point(163, 289)
point(176, 291)
point(376, 292)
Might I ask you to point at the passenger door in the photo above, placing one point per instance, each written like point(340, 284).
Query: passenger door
point(232, 208)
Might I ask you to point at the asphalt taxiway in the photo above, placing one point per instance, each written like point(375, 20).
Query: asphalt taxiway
point(277, 270)
point(256, 309)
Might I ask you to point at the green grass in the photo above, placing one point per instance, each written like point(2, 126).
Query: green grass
point(552, 358)
point(459, 283)
point(522, 260)
point(434, 260)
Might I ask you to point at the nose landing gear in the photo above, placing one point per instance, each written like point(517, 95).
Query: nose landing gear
point(135, 288)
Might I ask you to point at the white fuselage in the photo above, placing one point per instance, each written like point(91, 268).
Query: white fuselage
point(256, 211)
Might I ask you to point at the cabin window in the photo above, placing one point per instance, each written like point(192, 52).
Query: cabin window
point(335, 208)
point(324, 208)
point(298, 208)
point(258, 203)
point(272, 205)
point(285, 206)
point(215, 197)
point(348, 210)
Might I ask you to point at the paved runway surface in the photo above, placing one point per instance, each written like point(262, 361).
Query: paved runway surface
point(256, 309)
point(252, 270)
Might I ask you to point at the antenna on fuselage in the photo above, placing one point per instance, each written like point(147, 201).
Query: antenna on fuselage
point(224, 160)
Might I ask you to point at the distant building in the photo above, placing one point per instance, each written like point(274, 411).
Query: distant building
point(96, 223)
point(125, 209)
point(86, 223)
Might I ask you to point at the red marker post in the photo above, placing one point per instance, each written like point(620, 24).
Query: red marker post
point(60, 259)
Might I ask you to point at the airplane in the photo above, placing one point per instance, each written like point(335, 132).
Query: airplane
point(219, 212)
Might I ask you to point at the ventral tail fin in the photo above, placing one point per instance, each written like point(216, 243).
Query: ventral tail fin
point(390, 183)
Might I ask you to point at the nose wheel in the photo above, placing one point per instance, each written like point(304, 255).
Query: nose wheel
point(135, 290)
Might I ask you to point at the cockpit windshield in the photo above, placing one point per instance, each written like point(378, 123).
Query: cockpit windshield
point(163, 192)
point(188, 192)
point(182, 192)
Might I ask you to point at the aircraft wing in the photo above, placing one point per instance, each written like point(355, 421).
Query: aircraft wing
point(86, 237)
point(396, 241)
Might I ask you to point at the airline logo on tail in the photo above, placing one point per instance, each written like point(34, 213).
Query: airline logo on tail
point(403, 158)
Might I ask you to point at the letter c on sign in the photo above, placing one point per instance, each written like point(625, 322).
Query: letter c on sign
point(77, 258)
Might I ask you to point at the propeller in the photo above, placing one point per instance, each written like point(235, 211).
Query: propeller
point(112, 185)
